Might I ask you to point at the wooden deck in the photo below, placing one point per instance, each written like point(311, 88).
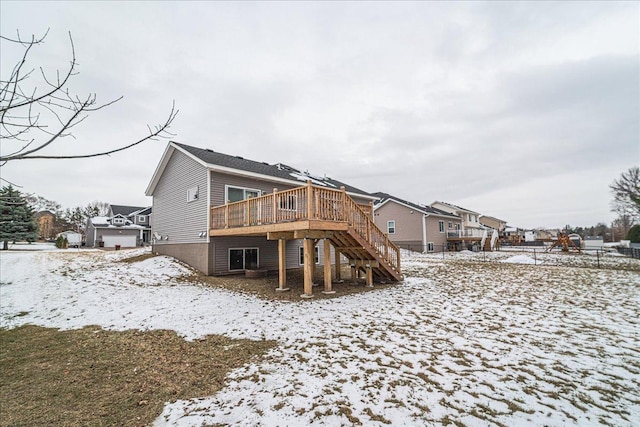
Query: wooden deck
point(312, 213)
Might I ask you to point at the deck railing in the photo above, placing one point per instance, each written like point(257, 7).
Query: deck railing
point(469, 232)
point(308, 202)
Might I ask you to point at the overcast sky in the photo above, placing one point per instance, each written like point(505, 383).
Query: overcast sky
point(522, 111)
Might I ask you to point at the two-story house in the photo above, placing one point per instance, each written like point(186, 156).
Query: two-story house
point(472, 235)
point(225, 214)
point(115, 231)
point(412, 226)
point(137, 215)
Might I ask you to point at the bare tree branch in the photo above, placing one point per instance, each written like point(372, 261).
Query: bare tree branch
point(21, 110)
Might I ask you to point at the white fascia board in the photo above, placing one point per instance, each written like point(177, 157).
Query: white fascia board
point(160, 168)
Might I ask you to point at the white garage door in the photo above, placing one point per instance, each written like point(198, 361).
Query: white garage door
point(123, 241)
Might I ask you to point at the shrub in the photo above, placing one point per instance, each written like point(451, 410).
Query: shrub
point(62, 242)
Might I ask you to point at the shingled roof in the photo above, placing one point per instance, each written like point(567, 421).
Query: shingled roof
point(125, 210)
point(428, 210)
point(278, 170)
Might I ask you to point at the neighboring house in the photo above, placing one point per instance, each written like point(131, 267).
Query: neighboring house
point(109, 232)
point(513, 236)
point(472, 235)
point(545, 235)
point(225, 214)
point(412, 226)
point(137, 215)
point(493, 223)
point(46, 222)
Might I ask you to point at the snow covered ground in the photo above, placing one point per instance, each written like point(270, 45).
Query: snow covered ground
point(468, 339)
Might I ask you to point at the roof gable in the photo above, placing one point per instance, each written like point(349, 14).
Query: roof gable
point(427, 210)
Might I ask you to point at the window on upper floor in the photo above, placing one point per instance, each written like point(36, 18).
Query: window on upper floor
point(192, 194)
point(441, 226)
point(236, 194)
point(142, 218)
point(391, 227)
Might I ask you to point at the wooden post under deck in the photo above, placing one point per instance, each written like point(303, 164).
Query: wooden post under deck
point(353, 273)
point(369, 276)
point(337, 263)
point(327, 268)
point(282, 265)
point(308, 255)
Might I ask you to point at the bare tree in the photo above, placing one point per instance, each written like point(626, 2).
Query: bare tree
point(33, 117)
point(626, 193)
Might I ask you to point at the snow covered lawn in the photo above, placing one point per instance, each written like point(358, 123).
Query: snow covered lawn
point(462, 340)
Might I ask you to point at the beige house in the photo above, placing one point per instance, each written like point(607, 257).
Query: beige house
point(472, 235)
point(493, 223)
point(412, 226)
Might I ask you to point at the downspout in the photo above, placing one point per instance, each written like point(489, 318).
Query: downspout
point(424, 233)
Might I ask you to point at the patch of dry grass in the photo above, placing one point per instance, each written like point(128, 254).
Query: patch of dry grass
point(137, 258)
point(96, 377)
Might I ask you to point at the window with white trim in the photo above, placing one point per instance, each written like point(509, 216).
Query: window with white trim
point(450, 225)
point(142, 218)
point(236, 194)
point(441, 226)
point(243, 259)
point(192, 194)
point(317, 255)
point(429, 246)
point(391, 227)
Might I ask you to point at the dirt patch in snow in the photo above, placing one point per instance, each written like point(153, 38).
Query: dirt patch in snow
point(265, 287)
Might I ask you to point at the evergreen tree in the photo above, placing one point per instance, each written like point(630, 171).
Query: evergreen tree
point(16, 218)
point(634, 234)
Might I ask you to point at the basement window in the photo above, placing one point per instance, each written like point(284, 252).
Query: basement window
point(317, 255)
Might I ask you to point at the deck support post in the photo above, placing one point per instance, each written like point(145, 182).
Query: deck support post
point(282, 265)
point(353, 272)
point(369, 276)
point(308, 253)
point(337, 263)
point(327, 268)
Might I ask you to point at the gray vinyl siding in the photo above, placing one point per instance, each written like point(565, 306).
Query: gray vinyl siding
point(219, 182)
point(173, 216)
